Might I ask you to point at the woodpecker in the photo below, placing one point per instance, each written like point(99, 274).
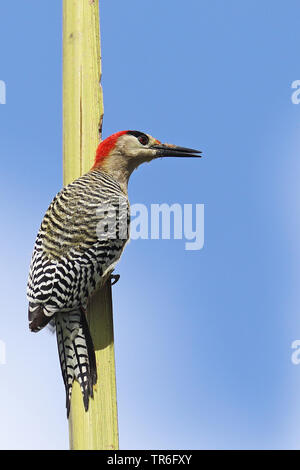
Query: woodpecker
point(80, 240)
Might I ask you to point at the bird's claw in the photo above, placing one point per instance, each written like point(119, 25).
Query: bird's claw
point(114, 279)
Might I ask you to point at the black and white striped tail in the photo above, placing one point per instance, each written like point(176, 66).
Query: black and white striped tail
point(76, 354)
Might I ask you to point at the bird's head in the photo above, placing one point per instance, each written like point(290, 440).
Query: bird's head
point(121, 153)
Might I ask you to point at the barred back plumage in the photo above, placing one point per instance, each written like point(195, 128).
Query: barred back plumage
point(81, 238)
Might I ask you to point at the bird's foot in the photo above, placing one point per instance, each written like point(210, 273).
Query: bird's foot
point(114, 279)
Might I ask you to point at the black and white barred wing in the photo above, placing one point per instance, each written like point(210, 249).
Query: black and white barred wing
point(40, 285)
point(81, 238)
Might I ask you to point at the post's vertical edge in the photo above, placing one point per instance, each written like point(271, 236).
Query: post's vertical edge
point(82, 117)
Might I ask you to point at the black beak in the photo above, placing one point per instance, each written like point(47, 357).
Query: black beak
point(166, 150)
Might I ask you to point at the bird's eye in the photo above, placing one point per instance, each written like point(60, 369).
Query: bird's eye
point(143, 139)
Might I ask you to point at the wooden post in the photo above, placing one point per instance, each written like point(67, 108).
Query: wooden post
point(82, 124)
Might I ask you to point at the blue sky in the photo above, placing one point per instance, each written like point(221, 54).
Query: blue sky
point(203, 338)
